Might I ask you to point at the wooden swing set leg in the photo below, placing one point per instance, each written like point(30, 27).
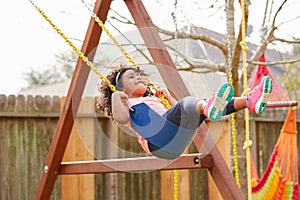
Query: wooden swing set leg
point(66, 120)
point(220, 172)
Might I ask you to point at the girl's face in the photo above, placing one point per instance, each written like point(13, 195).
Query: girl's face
point(133, 84)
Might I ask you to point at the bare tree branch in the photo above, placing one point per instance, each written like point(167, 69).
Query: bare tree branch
point(286, 41)
point(204, 38)
point(277, 12)
point(208, 67)
point(283, 62)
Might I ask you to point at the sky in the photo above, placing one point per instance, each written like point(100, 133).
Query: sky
point(29, 42)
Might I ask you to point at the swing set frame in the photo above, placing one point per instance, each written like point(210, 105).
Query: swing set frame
point(54, 166)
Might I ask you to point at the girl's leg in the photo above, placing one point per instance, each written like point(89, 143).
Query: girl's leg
point(236, 104)
point(185, 113)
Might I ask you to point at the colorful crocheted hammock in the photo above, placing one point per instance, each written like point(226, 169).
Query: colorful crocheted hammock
point(273, 185)
point(280, 180)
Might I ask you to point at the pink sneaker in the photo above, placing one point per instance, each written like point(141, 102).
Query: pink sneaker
point(215, 105)
point(256, 100)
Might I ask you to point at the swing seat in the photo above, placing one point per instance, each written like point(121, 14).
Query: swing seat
point(162, 133)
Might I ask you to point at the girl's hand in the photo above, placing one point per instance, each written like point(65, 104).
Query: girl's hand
point(161, 91)
point(119, 107)
point(121, 95)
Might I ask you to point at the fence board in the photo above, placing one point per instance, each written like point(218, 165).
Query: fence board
point(80, 146)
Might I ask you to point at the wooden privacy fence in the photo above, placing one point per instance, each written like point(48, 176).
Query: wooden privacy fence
point(27, 127)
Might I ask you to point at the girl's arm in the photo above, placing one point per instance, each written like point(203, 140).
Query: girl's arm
point(166, 94)
point(120, 110)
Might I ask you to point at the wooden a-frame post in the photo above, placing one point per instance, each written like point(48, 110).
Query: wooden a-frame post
point(219, 170)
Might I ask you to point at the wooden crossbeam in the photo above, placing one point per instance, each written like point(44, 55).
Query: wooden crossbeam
point(140, 164)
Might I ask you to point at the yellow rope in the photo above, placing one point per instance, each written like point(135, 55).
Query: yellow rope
point(248, 142)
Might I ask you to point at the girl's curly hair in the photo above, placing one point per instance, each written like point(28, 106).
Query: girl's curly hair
point(104, 100)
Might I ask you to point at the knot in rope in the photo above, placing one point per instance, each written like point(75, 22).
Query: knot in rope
point(247, 144)
point(244, 45)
